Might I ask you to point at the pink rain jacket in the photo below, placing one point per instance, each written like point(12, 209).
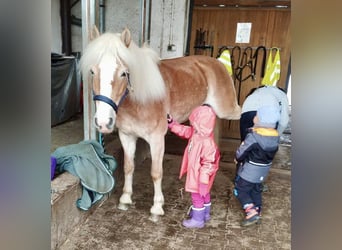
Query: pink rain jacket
point(201, 155)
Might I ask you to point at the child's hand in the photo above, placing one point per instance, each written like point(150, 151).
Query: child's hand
point(235, 161)
point(169, 120)
point(203, 189)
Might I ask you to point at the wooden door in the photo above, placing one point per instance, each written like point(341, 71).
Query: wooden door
point(270, 28)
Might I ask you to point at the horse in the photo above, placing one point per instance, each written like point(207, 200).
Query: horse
point(134, 90)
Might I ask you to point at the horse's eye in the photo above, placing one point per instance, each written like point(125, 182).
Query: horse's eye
point(124, 74)
point(92, 72)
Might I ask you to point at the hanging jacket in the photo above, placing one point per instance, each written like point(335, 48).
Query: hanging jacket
point(225, 59)
point(269, 96)
point(272, 72)
point(87, 161)
point(256, 153)
point(201, 155)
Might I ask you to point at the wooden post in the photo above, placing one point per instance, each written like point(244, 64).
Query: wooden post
point(217, 131)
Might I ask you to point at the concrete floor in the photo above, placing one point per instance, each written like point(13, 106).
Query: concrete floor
point(110, 228)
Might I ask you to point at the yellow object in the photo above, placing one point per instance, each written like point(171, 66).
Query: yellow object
point(272, 72)
point(266, 131)
point(225, 59)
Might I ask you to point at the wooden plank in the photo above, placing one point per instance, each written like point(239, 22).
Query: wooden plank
point(270, 28)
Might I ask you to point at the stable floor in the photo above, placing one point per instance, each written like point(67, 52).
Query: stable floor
point(110, 228)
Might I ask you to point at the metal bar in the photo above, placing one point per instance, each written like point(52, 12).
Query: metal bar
point(147, 31)
point(88, 20)
point(206, 47)
point(66, 26)
point(189, 13)
point(145, 21)
point(142, 21)
point(102, 16)
point(74, 3)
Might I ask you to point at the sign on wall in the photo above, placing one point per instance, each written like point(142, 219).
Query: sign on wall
point(243, 32)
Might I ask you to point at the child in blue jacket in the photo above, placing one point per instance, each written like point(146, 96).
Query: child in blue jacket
point(254, 158)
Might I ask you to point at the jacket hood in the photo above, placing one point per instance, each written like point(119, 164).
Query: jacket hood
point(203, 119)
point(268, 116)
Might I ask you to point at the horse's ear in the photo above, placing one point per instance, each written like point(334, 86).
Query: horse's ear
point(94, 33)
point(126, 37)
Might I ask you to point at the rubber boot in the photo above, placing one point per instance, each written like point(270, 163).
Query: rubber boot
point(189, 212)
point(196, 220)
point(207, 209)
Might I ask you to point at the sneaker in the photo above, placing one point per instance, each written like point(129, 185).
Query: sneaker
point(252, 216)
point(252, 220)
point(258, 209)
point(264, 188)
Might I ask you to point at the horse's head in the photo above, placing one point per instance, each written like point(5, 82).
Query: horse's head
point(109, 76)
point(110, 86)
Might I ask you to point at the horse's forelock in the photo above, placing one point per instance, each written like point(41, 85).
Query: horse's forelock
point(106, 44)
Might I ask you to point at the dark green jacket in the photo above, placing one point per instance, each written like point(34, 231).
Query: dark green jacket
point(87, 161)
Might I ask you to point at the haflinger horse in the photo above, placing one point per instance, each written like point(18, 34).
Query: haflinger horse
point(134, 90)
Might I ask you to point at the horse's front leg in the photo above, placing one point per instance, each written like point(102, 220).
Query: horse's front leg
point(157, 147)
point(129, 146)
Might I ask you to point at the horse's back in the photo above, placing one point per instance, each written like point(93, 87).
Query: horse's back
point(194, 80)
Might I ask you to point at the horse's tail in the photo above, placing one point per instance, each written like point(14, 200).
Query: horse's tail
point(221, 93)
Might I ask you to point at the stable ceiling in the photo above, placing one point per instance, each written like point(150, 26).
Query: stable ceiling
point(243, 3)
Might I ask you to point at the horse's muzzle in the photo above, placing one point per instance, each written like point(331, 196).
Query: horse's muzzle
point(105, 127)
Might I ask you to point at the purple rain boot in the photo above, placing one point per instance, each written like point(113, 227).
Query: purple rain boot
point(197, 218)
point(189, 212)
point(207, 207)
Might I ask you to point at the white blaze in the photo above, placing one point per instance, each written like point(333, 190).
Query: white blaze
point(103, 110)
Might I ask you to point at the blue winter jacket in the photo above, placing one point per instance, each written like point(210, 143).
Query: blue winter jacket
point(256, 154)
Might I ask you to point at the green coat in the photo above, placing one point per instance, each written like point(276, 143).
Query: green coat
point(87, 161)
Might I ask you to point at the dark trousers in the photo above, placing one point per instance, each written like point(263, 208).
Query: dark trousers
point(246, 122)
point(248, 192)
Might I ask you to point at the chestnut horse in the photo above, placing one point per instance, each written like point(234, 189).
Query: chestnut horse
point(134, 90)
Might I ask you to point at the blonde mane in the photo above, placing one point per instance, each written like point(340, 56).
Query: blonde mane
point(146, 80)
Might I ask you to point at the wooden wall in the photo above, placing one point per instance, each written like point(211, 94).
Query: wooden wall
point(270, 28)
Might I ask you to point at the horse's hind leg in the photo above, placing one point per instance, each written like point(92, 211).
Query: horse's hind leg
point(157, 147)
point(129, 145)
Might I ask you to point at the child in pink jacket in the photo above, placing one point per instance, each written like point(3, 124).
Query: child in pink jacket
point(200, 161)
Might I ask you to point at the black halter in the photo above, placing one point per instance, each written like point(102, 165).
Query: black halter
point(109, 101)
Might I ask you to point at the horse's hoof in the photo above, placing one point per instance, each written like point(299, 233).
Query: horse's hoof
point(154, 218)
point(123, 207)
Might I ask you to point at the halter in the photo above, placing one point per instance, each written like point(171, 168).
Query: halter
point(109, 101)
